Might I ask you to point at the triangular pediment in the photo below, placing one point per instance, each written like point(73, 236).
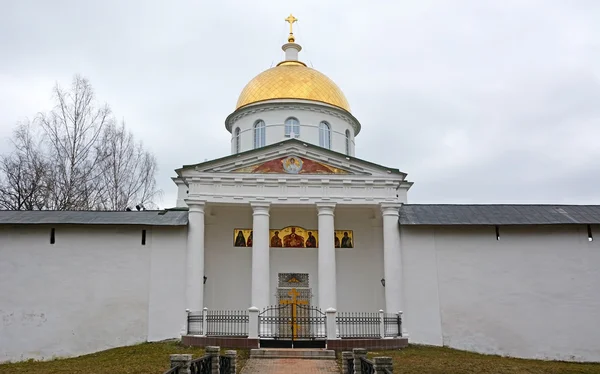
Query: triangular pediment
point(291, 164)
point(290, 157)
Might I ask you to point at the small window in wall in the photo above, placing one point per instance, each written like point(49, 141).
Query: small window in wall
point(143, 237)
point(325, 135)
point(590, 237)
point(52, 236)
point(259, 134)
point(348, 142)
point(236, 140)
point(292, 125)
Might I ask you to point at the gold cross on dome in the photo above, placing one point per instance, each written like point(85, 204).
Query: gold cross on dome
point(291, 19)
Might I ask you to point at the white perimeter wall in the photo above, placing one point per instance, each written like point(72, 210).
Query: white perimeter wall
point(97, 287)
point(534, 293)
point(229, 268)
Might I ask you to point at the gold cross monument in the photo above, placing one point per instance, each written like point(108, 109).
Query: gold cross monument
point(294, 294)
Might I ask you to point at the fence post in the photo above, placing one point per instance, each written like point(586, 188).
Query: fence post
point(345, 357)
point(358, 353)
point(253, 322)
point(186, 328)
point(331, 326)
point(400, 333)
point(233, 357)
point(382, 363)
point(381, 324)
point(213, 352)
point(204, 322)
point(182, 360)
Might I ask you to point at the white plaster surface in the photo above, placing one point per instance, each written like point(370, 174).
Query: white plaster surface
point(533, 293)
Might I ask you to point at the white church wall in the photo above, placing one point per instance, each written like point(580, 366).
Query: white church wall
point(166, 304)
point(533, 293)
point(309, 128)
point(360, 269)
point(87, 292)
point(420, 299)
point(228, 269)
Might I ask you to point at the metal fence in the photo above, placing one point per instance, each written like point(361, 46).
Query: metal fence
point(195, 320)
point(227, 323)
point(175, 370)
point(358, 325)
point(350, 364)
point(225, 365)
point(392, 324)
point(366, 366)
point(202, 365)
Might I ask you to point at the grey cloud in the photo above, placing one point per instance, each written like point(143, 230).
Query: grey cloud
point(477, 101)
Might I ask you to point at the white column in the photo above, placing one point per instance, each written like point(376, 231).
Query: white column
point(326, 257)
point(261, 272)
point(392, 258)
point(195, 257)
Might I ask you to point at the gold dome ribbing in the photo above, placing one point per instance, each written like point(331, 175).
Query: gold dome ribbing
point(292, 80)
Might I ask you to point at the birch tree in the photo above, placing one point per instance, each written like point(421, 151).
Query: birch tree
point(81, 160)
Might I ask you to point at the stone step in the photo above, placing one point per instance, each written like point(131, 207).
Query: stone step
point(314, 354)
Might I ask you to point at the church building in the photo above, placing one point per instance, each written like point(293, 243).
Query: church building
point(293, 213)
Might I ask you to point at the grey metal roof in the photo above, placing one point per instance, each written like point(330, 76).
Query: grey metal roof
point(146, 218)
point(442, 214)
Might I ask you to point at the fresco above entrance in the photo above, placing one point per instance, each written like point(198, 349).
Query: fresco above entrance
point(293, 237)
point(291, 165)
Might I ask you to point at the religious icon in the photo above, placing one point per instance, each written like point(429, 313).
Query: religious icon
point(346, 240)
point(293, 240)
point(292, 164)
point(249, 242)
point(276, 240)
point(311, 241)
point(343, 239)
point(242, 237)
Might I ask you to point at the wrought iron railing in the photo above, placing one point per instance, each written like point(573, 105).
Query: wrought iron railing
point(292, 321)
point(202, 365)
point(392, 323)
point(366, 366)
point(225, 365)
point(350, 364)
point(195, 320)
point(227, 323)
point(387, 371)
point(358, 325)
point(173, 370)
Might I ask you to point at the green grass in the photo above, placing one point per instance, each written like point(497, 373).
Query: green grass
point(439, 360)
point(154, 358)
point(142, 358)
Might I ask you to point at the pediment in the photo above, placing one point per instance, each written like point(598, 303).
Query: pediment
point(291, 164)
point(290, 157)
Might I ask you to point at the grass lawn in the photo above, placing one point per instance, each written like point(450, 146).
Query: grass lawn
point(437, 360)
point(151, 358)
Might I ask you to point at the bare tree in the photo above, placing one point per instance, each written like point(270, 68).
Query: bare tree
point(72, 131)
point(24, 173)
point(127, 170)
point(80, 161)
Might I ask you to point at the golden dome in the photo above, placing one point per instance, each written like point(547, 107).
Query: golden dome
point(292, 80)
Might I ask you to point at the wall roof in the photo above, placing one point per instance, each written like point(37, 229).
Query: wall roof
point(447, 214)
point(145, 218)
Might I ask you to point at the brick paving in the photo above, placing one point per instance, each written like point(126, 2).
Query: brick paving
point(289, 366)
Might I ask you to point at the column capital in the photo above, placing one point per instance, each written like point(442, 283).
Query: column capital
point(325, 207)
point(195, 205)
point(260, 207)
point(390, 209)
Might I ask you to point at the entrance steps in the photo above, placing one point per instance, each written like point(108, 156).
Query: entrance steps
point(311, 354)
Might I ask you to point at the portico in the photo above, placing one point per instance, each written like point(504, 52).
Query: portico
point(331, 270)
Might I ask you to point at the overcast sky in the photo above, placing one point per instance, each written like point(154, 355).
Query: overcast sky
point(478, 101)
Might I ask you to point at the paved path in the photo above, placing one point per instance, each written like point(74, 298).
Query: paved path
point(289, 366)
